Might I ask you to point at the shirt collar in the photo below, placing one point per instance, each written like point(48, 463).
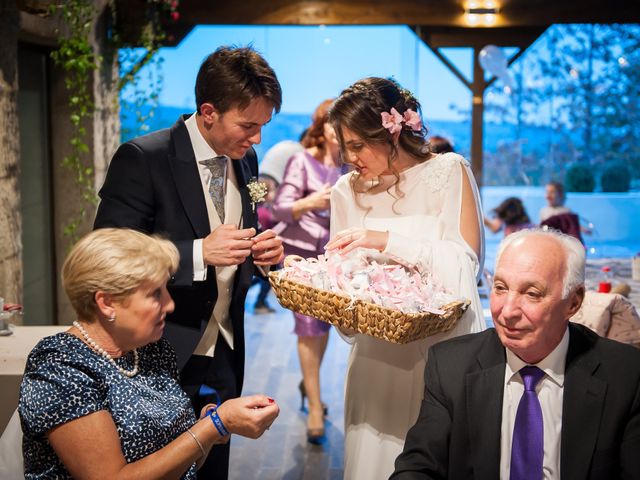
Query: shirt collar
point(201, 149)
point(553, 364)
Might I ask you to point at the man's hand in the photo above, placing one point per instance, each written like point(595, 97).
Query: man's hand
point(248, 416)
point(267, 249)
point(227, 245)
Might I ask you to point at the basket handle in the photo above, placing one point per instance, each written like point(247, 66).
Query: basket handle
point(291, 259)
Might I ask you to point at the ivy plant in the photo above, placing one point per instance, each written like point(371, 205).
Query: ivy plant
point(76, 57)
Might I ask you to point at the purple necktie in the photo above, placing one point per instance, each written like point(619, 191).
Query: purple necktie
point(527, 446)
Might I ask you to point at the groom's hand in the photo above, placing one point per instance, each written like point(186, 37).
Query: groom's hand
point(267, 249)
point(227, 245)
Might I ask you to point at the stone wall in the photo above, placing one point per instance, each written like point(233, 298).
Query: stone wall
point(10, 221)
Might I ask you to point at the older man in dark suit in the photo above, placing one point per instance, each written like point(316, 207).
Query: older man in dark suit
point(538, 397)
point(191, 183)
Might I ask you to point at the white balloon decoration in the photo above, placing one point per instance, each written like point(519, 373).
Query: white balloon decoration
point(493, 60)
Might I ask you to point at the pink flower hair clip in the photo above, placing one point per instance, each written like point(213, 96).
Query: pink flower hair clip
point(392, 120)
point(412, 120)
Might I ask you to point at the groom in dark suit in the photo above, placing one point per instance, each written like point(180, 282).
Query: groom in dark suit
point(189, 184)
point(538, 397)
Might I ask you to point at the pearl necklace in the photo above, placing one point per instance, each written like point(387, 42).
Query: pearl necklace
point(105, 354)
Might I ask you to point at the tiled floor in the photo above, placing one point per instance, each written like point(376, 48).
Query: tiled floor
point(272, 368)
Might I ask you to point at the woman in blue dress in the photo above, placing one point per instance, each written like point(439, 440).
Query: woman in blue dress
point(102, 400)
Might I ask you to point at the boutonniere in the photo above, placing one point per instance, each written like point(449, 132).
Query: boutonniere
point(257, 192)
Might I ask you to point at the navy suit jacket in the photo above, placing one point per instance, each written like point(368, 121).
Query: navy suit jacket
point(457, 434)
point(153, 185)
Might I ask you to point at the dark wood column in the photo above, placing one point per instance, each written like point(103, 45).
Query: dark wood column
point(477, 117)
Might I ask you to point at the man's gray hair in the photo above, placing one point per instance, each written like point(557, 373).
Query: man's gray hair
point(575, 254)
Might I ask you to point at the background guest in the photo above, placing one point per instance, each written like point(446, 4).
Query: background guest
point(555, 197)
point(302, 207)
point(276, 158)
point(103, 400)
point(510, 215)
point(438, 144)
point(558, 217)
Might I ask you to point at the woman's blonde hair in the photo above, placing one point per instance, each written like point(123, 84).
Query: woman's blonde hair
point(116, 261)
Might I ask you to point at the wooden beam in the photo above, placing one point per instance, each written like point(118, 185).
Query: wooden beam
point(515, 21)
point(327, 12)
point(512, 13)
point(477, 118)
point(439, 37)
point(477, 40)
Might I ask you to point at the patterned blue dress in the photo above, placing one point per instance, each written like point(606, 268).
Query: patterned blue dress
point(64, 379)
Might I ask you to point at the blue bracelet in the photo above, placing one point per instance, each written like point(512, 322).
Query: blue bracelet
point(217, 422)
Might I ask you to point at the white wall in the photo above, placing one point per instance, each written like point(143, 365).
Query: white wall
point(615, 217)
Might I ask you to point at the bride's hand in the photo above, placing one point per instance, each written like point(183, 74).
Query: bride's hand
point(347, 240)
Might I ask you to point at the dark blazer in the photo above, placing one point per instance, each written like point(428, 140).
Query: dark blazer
point(153, 186)
point(457, 435)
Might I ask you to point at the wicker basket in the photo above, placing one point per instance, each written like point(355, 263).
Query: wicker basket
point(380, 322)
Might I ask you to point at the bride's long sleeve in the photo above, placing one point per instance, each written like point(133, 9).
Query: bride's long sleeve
point(448, 182)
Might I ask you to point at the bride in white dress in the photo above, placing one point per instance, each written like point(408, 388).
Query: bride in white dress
point(421, 210)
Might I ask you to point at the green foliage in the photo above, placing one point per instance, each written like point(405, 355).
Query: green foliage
point(616, 177)
point(579, 178)
point(76, 57)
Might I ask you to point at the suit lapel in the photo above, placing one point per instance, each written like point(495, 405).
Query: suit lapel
point(582, 406)
point(242, 177)
point(249, 219)
point(484, 409)
point(182, 162)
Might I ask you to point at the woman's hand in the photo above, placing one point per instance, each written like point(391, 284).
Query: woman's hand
point(347, 240)
point(319, 200)
point(248, 416)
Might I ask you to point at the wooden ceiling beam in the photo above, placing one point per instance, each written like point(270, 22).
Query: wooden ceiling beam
point(445, 19)
point(512, 13)
point(443, 37)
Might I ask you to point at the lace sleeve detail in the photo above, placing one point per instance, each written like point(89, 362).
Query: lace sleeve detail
point(438, 171)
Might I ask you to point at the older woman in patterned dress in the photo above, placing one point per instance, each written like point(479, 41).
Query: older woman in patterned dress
point(102, 400)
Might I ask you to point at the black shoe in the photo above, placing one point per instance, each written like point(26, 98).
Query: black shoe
point(315, 435)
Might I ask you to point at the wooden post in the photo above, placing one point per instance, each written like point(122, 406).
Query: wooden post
point(478, 87)
point(10, 219)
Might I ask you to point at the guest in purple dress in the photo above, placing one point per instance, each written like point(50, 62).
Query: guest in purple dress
point(302, 208)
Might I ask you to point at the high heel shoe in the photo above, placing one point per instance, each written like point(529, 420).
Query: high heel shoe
point(303, 394)
point(316, 435)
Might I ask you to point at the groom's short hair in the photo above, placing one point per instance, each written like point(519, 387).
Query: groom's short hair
point(232, 77)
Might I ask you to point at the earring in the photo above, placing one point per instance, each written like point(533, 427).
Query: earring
point(112, 317)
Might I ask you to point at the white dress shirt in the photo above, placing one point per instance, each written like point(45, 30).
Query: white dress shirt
point(219, 322)
point(549, 390)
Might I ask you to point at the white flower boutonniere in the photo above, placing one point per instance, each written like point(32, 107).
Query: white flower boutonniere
point(257, 191)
